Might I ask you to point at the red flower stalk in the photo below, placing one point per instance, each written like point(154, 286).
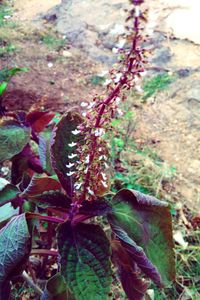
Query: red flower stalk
point(91, 177)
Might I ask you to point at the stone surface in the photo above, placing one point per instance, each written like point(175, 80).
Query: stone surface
point(93, 26)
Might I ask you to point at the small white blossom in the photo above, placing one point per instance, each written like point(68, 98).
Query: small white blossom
point(84, 104)
point(87, 160)
point(70, 165)
point(70, 156)
point(137, 11)
point(118, 77)
point(84, 114)
point(70, 173)
point(90, 191)
point(115, 50)
point(78, 185)
point(72, 144)
point(120, 112)
point(75, 132)
point(106, 165)
point(117, 100)
point(102, 157)
point(104, 176)
point(86, 170)
point(99, 132)
point(104, 183)
point(107, 82)
point(91, 105)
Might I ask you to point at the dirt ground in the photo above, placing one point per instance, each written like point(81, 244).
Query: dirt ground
point(60, 76)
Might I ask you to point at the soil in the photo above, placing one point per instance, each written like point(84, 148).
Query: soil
point(60, 76)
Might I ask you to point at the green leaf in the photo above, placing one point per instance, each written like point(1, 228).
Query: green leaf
point(56, 289)
point(7, 191)
point(13, 138)
point(147, 221)
point(14, 249)
point(6, 212)
point(61, 138)
point(85, 260)
point(3, 87)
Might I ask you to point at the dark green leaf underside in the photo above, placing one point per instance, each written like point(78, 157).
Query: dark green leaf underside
point(85, 260)
point(147, 221)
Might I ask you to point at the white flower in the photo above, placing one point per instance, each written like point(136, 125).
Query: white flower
point(90, 191)
point(107, 82)
point(99, 132)
point(137, 11)
point(75, 132)
point(84, 104)
point(117, 100)
point(78, 185)
point(70, 173)
point(106, 165)
point(72, 144)
point(118, 77)
point(87, 160)
point(70, 156)
point(91, 105)
point(86, 170)
point(115, 50)
point(84, 114)
point(104, 176)
point(104, 183)
point(70, 165)
point(102, 157)
point(120, 112)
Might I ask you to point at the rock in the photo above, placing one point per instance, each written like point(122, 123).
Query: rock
point(92, 25)
point(183, 72)
point(66, 53)
point(183, 21)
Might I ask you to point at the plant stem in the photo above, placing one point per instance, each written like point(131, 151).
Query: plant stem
point(129, 62)
point(30, 282)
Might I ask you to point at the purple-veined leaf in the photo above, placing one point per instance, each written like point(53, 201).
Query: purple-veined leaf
point(147, 221)
point(62, 137)
point(7, 191)
point(14, 250)
point(44, 153)
point(38, 120)
point(99, 207)
point(26, 161)
point(13, 138)
point(39, 185)
point(134, 286)
point(56, 289)
point(45, 192)
point(85, 260)
point(137, 255)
